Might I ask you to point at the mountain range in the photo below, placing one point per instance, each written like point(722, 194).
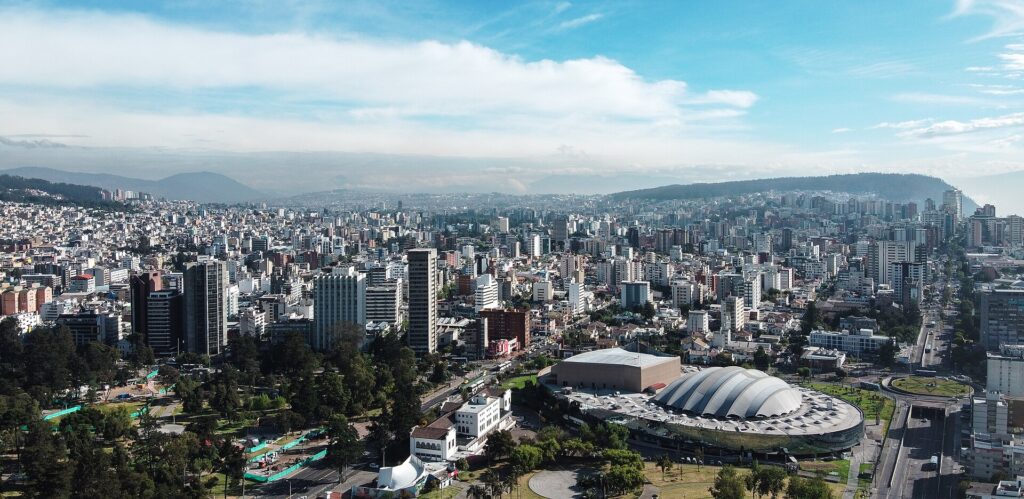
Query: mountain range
point(899, 187)
point(34, 190)
point(203, 187)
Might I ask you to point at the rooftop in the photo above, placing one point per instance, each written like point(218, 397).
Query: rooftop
point(618, 356)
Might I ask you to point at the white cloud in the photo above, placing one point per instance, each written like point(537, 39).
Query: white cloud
point(90, 50)
point(842, 130)
point(904, 125)
point(562, 7)
point(954, 127)
point(580, 21)
point(1007, 15)
point(736, 98)
point(941, 99)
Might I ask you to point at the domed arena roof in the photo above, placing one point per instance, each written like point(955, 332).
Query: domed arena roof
point(736, 392)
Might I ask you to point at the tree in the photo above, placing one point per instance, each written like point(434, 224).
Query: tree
point(344, 446)
point(493, 481)
point(45, 460)
point(232, 463)
point(804, 372)
point(771, 481)
point(622, 479)
point(526, 458)
point(477, 491)
point(728, 484)
point(807, 488)
point(499, 445)
point(887, 354)
point(761, 359)
point(191, 397)
point(811, 319)
point(665, 463)
point(334, 397)
point(698, 454)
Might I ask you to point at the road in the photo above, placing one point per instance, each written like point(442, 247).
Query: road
point(312, 481)
point(933, 428)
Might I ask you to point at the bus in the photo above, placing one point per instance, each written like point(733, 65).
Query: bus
point(473, 385)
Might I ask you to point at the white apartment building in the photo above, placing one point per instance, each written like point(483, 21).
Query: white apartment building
point(478, 416)
point(1006, 371)
point(486, 292)
point(864, 341)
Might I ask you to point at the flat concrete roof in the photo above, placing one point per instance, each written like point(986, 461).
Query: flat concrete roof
point(619, 356)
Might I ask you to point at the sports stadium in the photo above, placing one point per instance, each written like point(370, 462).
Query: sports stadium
point(729, 408)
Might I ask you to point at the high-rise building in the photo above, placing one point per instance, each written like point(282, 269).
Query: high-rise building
point(697, 322)
point(543, 291)
point(339, 303)
point(575, 294)
point(1006, 371)
point(1002, 317)
point(141, 285)
point(908, 281)
point(486, 292)
point(206, 310)
point(953, 203)
point(164, 322)
point(508, 324)
point(733, 317)
point(422, 334)
point(634, 294)
point(384, 302)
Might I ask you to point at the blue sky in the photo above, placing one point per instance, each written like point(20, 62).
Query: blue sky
point(368, 92)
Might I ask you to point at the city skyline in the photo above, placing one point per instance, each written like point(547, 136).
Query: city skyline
point(362, 94)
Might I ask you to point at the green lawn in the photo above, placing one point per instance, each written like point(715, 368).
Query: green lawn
point(930, 386)
point(447, 492)
point(874, 405)
point(518, 382)
point(131, 406)
point(218, 489)
point(841, 467)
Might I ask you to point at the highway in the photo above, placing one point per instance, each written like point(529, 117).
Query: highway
point(931, 429)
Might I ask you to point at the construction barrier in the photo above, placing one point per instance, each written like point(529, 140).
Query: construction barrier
point(65, 412)
point(287, 471)
point(152, 374)
point(256, 448)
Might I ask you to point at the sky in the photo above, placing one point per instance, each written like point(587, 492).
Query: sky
point(532, 96)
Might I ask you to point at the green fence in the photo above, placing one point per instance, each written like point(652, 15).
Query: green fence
point(287, 471)
point(65, 412)
point(256, 448)
point(152, 374)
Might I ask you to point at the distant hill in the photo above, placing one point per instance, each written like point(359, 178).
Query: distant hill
point(33, 190)
point(203, 187)
point(898, 187)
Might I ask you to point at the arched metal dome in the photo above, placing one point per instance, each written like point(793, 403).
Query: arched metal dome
point(725, 392)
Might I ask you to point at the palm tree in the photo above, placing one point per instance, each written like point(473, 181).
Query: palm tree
point(477, 491)
point(493, 481)
point(665, 463)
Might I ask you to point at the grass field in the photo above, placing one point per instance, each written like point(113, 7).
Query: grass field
point(874, 405)
point(841, 467)
point(518, 382)
point(930, 386)
point(446, 493)
point(131, 406)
